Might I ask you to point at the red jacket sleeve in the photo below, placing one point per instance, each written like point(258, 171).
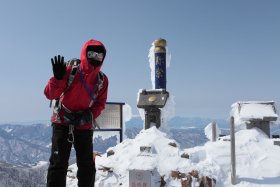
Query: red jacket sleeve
point(101, 99)
point(55, 87)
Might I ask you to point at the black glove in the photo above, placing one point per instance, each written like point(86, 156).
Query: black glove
point(72, 118)
point(86, 117)
point(59, 67)
point(78, 118)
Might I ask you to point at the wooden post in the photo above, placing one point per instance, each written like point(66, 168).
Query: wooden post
point(214, 131)
point(232, 151)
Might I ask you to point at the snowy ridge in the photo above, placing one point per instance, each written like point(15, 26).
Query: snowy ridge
point(256, 156)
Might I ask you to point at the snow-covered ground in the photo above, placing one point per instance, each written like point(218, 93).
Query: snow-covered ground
point(257, 160)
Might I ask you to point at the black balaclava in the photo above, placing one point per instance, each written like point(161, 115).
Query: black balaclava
point(97, 49)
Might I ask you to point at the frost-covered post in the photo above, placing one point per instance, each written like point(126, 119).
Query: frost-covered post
point(153, 101)
point(214, 131)
point(232, 151)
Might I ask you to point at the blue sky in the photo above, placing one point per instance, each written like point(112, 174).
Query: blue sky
point(222, 51)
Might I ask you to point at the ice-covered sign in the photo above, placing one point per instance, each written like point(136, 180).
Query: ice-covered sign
point(253, 110)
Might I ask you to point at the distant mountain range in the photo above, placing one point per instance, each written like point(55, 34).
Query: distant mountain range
point(22, 176)
point(23, 146)
point(26, 145)
point(182, 122)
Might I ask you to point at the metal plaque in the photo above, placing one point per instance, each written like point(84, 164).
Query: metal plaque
point(152, 98)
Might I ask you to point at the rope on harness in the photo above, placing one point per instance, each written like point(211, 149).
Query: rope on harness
point(92, 95)
point(70, 138)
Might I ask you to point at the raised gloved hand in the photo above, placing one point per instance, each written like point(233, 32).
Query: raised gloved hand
point(58, 66)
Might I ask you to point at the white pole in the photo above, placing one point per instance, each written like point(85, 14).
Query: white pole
point(232, 152)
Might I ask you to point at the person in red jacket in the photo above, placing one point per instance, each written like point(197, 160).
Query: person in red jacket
point(77, 107)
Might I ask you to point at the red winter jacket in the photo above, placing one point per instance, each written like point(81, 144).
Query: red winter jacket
point(76, 98)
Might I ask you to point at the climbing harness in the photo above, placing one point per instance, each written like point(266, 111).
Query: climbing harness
point(75, 66)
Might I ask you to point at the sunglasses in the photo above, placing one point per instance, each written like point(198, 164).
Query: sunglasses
point(95, 55)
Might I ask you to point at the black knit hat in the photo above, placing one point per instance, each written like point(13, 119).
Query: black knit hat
point(98, 49)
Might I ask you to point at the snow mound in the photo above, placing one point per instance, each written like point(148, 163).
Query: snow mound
point(163, 156)
point(257, 160)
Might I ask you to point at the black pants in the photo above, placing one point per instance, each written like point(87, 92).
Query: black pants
point(60, 154)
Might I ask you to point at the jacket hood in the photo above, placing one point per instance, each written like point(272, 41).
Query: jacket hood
point(85, 66)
